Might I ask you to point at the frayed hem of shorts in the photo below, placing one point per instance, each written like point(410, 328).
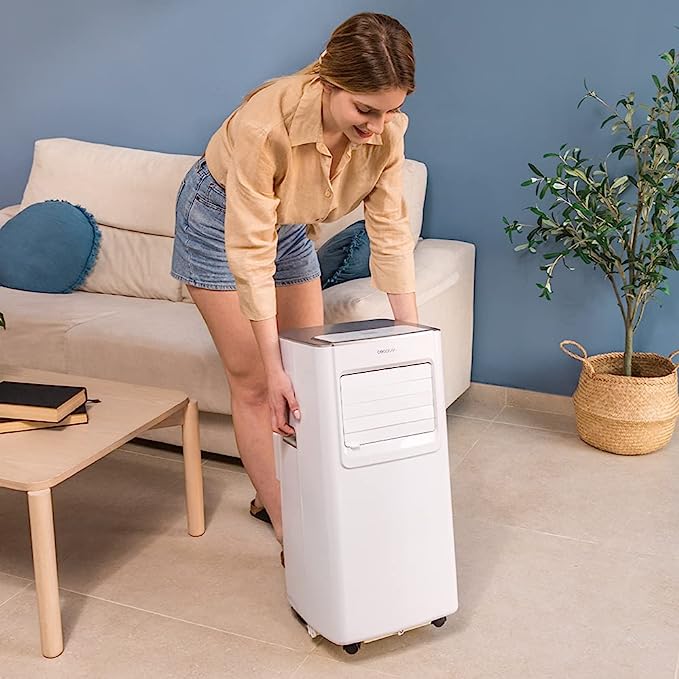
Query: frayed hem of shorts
point(217, 286)
point(202, 286)
point(296, 281)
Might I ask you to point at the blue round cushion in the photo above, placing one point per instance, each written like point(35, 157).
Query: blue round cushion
point(48, 247)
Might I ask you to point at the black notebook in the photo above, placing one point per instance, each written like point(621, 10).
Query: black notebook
point(41, 402)
point(78, 416)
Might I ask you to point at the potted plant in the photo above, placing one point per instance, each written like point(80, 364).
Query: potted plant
point(621, 216)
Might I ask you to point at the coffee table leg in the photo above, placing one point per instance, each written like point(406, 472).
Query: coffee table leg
point(193, 471)
point(45, 568)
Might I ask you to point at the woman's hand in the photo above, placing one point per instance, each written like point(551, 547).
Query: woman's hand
point(281, 399)
point(281, 393)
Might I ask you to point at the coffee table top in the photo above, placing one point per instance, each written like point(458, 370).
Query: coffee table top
point(42, 458)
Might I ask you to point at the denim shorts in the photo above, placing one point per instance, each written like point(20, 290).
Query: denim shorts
point(199, 257)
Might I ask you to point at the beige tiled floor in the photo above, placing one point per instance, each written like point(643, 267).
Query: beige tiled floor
point(568, 567)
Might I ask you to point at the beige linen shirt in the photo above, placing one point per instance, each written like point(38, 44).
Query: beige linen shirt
point(275, 167)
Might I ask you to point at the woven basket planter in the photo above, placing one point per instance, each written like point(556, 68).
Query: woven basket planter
point(625, 415)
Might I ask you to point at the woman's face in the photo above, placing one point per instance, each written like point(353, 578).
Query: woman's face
point(359, 116)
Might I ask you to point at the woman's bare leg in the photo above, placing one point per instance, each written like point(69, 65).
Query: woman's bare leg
point(237, 347)
point(298, 306)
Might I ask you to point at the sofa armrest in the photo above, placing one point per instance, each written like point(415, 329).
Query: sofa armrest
point(439, 263)
point(8, 212)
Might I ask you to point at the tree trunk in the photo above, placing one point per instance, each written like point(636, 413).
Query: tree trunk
point(629, 343)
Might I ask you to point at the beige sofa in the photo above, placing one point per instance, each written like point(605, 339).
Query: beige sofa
point(132, 321)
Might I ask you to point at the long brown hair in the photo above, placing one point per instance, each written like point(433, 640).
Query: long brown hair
point(368, 52)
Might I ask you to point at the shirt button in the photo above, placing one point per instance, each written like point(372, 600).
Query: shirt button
point(328, 193)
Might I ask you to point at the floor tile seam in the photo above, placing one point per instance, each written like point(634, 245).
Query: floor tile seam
point(537, 410)
point(528, 426)
point(182, 620)
point(19, 577)
point(615, 550)
point(466, 455)
point(460, 513)
point(470, 417)
point(299, 667)
point(16, 594)
point(155, 457)
point(500, 413)
point(226, 471)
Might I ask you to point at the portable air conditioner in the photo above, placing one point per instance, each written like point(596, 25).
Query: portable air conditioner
point(365, 481)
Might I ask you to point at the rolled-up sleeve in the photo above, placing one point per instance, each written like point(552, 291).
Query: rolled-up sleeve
point(392, 265)
point(250, 222)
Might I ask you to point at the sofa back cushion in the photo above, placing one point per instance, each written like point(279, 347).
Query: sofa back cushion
point(135, 265)
point(125, 188)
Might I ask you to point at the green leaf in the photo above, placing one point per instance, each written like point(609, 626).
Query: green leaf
point(656, 80)
point(620, 181)
point(608, 119)
point(523, 246)
point(535, 170)
point(575, 172)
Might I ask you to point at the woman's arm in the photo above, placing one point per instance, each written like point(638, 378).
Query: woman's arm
point(404, 306)
point(250, 241)
point(392, 262)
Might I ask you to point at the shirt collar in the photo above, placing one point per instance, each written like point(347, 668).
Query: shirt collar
point(307, 125)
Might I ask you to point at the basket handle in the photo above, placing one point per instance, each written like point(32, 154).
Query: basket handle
point(671, 357)
point(584, 359)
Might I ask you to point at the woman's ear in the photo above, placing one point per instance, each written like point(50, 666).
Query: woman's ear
point(327, 87)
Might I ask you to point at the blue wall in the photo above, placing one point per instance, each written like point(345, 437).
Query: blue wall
point(497, 84)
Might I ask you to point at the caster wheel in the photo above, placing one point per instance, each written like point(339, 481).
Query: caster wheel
point(312, 632)
point(439, 622)
point(352, 649)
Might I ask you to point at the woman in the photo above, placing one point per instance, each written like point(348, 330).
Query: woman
point(300, 150)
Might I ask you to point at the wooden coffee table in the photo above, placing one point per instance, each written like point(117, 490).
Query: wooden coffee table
point(36, 461)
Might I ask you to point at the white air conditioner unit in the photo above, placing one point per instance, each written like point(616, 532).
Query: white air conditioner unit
point(365, 481)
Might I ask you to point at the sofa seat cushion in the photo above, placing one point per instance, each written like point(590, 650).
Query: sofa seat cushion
point(154, 342)
point(37, 324)
point(437, 267)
